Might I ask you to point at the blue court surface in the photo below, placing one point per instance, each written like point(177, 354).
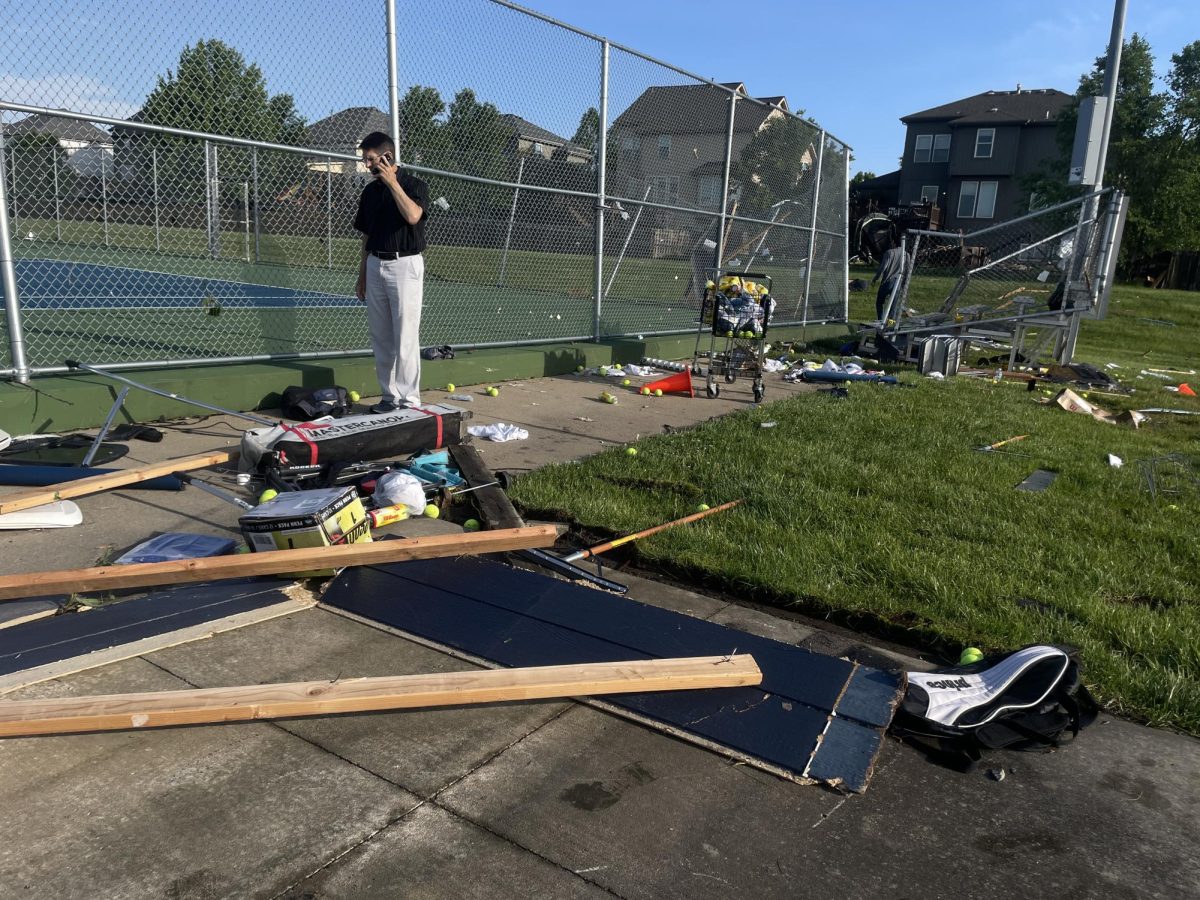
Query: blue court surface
point(61, 284)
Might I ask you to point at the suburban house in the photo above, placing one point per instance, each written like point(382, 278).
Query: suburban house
point(342, 133)
point(530, 138)
point(88, 150)
point(672, 140)
point(969, 156)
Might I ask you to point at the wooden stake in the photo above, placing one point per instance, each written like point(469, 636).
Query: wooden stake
point(275, 562)
point(109, 480)
point(158, 709)
point(638, 535)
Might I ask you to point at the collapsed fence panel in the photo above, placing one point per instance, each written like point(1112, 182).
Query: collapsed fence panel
point(148, 229)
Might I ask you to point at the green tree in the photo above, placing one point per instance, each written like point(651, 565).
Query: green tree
point(422, 134)
point(477, 143)
point(777, 164)
point(587, 134)
point(859, 178)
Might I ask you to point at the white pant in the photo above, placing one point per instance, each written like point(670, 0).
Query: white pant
point(394, 293)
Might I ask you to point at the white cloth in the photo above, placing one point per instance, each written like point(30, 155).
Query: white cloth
point(499, 432)
point(394, 294)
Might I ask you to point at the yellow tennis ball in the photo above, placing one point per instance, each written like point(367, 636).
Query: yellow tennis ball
point(579, 368)
point(631, 451)
point(354, 396)
point(626, 382)
point(471, 525)
point(450, 386)
point(431, 511)
point(493, 392)
point(658, 392)
point(268, 494)
point(645, 392)
point(970, 655)
point(702, 507)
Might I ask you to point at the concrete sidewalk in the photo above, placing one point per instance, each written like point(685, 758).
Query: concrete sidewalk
point(536, 799)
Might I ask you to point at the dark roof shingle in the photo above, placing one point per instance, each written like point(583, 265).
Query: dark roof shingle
point(342, 131)
point(1000, 107)
point(59, 128)
point(691, 109)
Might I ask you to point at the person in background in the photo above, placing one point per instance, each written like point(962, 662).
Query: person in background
point(391, 272)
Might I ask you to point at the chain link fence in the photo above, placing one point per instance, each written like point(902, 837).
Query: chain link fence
point(181, 180)
point(1048, 261)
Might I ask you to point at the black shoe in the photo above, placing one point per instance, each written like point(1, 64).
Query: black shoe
point(384, 406)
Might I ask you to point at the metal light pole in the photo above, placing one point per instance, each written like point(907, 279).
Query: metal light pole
point(1112, 71)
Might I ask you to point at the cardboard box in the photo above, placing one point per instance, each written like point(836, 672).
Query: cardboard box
point(321, 518)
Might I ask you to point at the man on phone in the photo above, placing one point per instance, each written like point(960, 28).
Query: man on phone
point(391, 216)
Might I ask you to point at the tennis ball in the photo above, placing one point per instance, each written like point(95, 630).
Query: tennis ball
point(354, 396)
point(970, 655)
point(450, 386)
point(493, 392)
point(631, 451)
point(268, 494)
point(626, 382)
point(579, 368)
point(658, 392)
point(702, 507)
point(645, 392)
point(431, 511)
point(471, 525)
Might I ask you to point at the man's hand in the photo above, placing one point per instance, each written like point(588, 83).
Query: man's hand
point(360, 289)
point(387, 173)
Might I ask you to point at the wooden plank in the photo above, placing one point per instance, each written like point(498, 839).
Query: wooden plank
point(315, 698)
point(275, 562)
point(84, 486)
point(60, 668)
point(495, 508)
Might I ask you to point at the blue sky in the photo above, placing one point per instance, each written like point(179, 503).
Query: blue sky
point(854, 67)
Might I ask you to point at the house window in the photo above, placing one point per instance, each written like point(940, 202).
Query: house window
point(941, 147)
point(977, 200)
point(664, 146)
point(929, 193)
point(985, 139)
point(664, 189)
point(708, 192)
point(931, 148)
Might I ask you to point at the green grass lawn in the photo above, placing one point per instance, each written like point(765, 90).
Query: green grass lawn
point(876, 512)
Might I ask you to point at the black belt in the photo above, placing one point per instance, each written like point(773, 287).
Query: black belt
point(393, 254)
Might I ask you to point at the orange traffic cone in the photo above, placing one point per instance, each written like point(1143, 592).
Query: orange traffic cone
point(679, 383)
point(1186, 390)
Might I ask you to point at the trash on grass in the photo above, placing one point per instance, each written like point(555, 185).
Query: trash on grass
point(1115, 461)
point(1072, 402)
point(1038, 481)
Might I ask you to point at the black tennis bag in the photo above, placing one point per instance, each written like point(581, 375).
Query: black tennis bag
point(1028, 700)
point(306, 404)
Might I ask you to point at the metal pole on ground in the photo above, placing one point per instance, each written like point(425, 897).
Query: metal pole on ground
point(393, 81)
point(254, 177)
point(812, 226)
point(601, 188)
point(157, 216)
point(720, 249)
point(246, 218)
point(329, 213)
point(612, 276)
point(8, 276)
point(512, 215)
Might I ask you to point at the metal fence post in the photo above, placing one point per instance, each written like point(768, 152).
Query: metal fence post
point(8, 276)
point(215, 199)
point(393, 80)
point(254, 178)
point(154, 182)
point(57, 201)
point(246, 219)
point(845, 201)
point(601, 187)
point(612, 276)
point(329, 213)
point(104, 197)
point(720, 249)
point(812, 227)
point(512, 215)
point(208, 224)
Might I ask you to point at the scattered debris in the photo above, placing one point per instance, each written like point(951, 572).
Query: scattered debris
point(1038, 481)
point(499, 432)
point(1072, 402)
point(1115, 461)
point(613, 544)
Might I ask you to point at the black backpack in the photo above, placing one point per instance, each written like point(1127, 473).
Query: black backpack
point(306, 404)
point(1028, 700)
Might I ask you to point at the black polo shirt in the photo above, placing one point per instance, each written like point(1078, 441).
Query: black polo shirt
point(379, 218)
